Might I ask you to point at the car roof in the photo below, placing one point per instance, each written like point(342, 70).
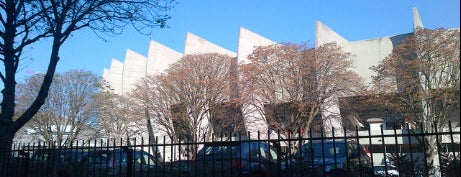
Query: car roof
point(392, 166)
point(228, 143)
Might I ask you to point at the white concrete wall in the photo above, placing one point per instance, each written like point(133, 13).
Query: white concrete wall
point(160, 57)
point(133, 70)
point(115, 77)
point(247, 42)
point(106, 74)
point(197, 45)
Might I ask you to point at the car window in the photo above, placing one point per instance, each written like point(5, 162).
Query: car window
point(138, 158)
point(253, 149)
point(320, 150)
point(148, 159)
point(273, 154)
point(39, 156)
point(263, 150)
point(67, 155)
point(98, 158)
point(119, 157)
point(219, 150)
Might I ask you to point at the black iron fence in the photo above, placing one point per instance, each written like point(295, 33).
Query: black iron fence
point(398, 152)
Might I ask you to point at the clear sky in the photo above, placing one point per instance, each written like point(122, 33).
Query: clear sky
point(218, 21)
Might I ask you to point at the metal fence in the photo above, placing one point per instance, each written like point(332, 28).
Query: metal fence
point(398, 152)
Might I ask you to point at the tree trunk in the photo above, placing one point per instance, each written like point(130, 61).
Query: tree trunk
point(6, 142)
point(432, 156)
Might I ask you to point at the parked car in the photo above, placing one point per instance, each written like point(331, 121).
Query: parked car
point(386, 170)
point(319, 158)
point(123, 162)
point(184, 166)
point(237, 158)
point(43, 162)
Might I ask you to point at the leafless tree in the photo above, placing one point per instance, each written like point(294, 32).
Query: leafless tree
point(292, 84)
point(420, 80)
point(153, 105)
point(69, 111)
point(25, 22)
point(183, 101)
point(117, 117)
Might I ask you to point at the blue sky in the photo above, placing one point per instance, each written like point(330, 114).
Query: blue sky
point(218, 21)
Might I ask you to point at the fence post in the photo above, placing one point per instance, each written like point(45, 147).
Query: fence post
point(129, 159)
point(26, 162)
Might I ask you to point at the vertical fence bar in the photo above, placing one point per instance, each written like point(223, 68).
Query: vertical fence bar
point(455, 164)
point(157, 153)
point(164, 153)
point(396, 150)
point(426, 167)
point(409, 136)
point(438, 149)
point(239, 158)
point(383, 143)
point(346, 149)
point(357, 141)
point(113, 162)
point(323, 151)
point(259, 149)
point(335, 160)
point(179, 163)
point(149, 151)
point(172, 155)
point(233, 162)
point(298, 149)
point(278, 148)
point(311, 152)
point(27, 162)
point(370, 147)
point(249, 147)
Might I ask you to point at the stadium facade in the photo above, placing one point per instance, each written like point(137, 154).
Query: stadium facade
point(121, 76)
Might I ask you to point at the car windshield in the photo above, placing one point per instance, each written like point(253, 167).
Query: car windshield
point(120, 157)
point(329, 149)
point(382, 168)
point(219, 149)
point(53, 154)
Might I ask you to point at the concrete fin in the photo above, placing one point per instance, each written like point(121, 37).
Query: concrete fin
point(106, 74)
point(115, 76)
point(160, 57)
point(196, 45)
point(130, 54)
point(417, 22)
point(247, 42)
point(133, 70)
point(324, 35)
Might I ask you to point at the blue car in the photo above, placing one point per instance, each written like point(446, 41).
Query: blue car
point(237, 159)
point(319, 158)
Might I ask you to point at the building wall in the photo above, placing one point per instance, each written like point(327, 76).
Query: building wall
point(367, 52)
point(160, 57)
point(134, 69)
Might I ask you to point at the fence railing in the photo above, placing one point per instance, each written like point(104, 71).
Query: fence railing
point(399, 152)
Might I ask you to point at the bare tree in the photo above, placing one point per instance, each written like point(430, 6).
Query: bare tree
point(69, 112)
point(420, 80)
point(183, 101)
point(117, 117)
point(154, 105)
point(292, 84)
point(24, 22)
